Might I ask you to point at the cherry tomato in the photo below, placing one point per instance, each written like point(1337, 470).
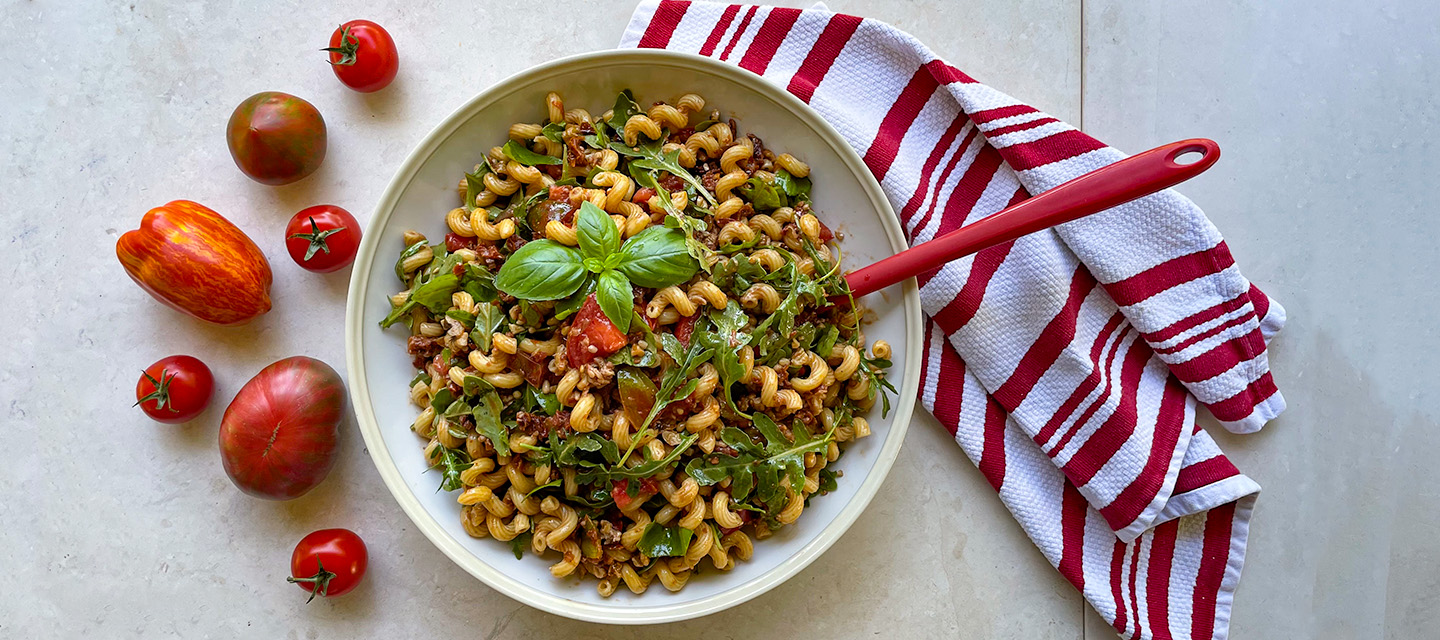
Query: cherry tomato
point(592, 329)
point(363, 56)
point(329, 562)
point(175, 389)
point(276, 138)
point(322, 238)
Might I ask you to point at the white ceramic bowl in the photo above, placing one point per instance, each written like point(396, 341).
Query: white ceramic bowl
point(845, 195)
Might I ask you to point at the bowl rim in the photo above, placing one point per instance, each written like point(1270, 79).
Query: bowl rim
point(426, 522)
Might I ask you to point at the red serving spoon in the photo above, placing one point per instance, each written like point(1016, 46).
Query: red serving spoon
point(1129, 179)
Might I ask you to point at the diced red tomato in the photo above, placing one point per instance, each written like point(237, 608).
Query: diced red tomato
point(592, 329)
point(826, 234)
point(744, 519)
point(455, 242)
point(532, 366)
point(642, 196)
point(685, 327)
point(648, 488)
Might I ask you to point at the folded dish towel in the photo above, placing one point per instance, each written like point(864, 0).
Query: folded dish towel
point(1068, 363)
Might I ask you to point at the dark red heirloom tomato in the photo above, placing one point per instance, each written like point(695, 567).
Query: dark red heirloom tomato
point(329, 562)
point(592, 329)
point(175, 389)
point(363, 56)
point(276, 138)
point(322, 238)
point(277, 438)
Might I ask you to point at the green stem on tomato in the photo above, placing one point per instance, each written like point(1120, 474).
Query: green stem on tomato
point(321, 580)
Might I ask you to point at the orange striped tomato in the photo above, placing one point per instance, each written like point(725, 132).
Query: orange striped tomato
point(197, 262)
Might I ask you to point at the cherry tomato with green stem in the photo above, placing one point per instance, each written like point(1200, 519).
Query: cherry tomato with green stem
point(329, 563)
point(175, 389)
point(363, 56)
point(322, 238)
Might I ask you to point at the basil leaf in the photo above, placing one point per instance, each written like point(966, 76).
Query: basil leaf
point(542, 270)
point(761, 195)
point(405, 255)
point(517, 152)
point(624, 108)
point(597, 233)
point(567, 307)
point(616, 298)
point(657, 257)
point(659, 540)
point(487, 423)
point(435, 294)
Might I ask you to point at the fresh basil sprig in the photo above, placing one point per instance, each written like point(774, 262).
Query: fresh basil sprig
point(547, 270)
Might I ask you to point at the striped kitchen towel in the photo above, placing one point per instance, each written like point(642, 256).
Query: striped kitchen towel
point(1069, 363)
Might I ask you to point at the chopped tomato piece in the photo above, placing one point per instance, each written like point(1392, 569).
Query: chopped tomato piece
point(619, 491)
point(642, 196)
point(532, 366)
point(592, 335)
point(685, 327)
point(454, 242)
point(826, 234)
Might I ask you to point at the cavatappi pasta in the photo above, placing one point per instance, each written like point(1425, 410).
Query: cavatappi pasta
point(646, 447)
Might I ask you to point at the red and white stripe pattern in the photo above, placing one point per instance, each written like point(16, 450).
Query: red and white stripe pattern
point(1068, 363)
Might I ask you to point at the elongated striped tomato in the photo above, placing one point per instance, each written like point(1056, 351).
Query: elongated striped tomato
point(197, 262)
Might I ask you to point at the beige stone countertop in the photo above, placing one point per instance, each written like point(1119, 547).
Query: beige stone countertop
point(112, 526)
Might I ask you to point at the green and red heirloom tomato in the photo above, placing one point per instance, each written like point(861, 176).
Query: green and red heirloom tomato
point(277, 438)
point(197, 262)
point(276, 138)
point(363, 56)
point(322, 238)
point(329, 562)
point(175, 389)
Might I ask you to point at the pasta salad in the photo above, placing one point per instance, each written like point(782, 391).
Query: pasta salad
point(635, 347)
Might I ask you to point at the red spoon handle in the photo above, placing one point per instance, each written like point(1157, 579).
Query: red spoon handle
point(1129, 179)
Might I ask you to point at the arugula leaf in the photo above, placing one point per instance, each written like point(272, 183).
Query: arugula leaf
point(616, 298)
point(520, 543)
point(662, 161)
point(396, 313)
point(487, 423)
point(475, 184)
point(759, 467)
point(534, 398)
point(421, 377)
point(878, 384)
point(405, 255)
point(538, 487)
point(488, 317)
point(517, 152)
point(726, 340)
point(691, 226)
point(659, 540)
point(542, 270)
point(597, 233)
point(657, 258)
point(761, 195)
point(624, 108)
point(677, 381)
point(790, 185)
point(649, 467)
point(442, 400)
point(554, 132)
point(473, 385)
point(479, 283)
point(827, 341)
point(451, 463)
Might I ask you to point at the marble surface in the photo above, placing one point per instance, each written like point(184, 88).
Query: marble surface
point(116, 527)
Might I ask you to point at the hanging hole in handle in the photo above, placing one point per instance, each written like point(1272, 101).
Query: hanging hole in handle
point(1197, 154)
